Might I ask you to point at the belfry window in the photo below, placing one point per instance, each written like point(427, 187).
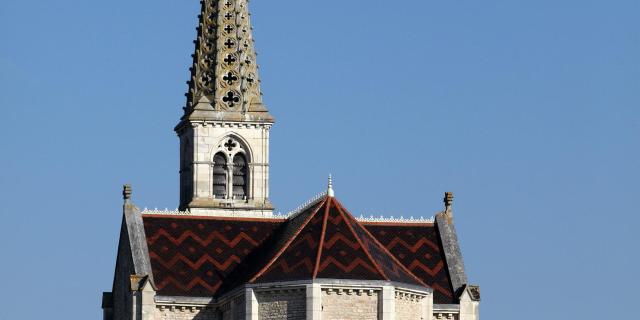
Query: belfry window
point(239, 176)
point(220, 176)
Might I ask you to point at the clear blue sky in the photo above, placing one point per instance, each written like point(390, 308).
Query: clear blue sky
point(528, 110)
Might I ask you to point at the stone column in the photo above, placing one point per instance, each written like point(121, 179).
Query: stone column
point(469, 308)
point(251, 303)
point(314, 301)
point(148, 307)
point(195, 160)
point(388, 304)
point(230, 167)
point(427, 307)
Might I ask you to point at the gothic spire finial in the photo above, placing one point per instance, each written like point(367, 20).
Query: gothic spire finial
point(224, 70)
point(448, 201)
point(126, 193)
point(330, 191)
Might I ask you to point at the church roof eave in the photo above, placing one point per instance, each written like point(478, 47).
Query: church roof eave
point(214, 116)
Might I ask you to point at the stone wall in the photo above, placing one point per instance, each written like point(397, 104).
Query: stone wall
point(332, 302)
point(338, 304)
point(445, 316)
point(185, 313)
point(282, 305)
point(204, 141)
point(122, 296)
point(239, 308)
point(408, 306)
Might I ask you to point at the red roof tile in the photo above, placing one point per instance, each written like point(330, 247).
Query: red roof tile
point(418, 247)
point(193, 256)
point(330, 243)
point(207, 256)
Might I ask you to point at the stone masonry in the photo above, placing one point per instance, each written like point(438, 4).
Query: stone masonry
point(185, 313)
point(408, 306)
point(340, 304)
point(202, 141)
point(282, 305)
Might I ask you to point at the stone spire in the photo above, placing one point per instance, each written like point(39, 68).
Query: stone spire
point(224, 82)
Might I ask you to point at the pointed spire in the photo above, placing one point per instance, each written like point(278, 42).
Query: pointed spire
point(330, 192)
point(224, 75)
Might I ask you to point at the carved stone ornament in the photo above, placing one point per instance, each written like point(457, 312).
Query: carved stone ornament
point(224, 70)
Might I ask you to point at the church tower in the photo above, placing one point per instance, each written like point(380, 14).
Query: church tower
point(224, 255)
point(224, 132)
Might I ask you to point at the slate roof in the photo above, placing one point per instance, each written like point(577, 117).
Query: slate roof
point(208, 256)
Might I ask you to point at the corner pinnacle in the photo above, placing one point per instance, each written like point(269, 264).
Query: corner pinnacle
point(448, 201)
point(126, 193)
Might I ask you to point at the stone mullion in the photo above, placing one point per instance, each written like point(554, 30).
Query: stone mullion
point(249, 180)
point(230, 179)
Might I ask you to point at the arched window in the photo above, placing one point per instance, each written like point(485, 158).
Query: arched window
point(219, 176)
point(239, 176)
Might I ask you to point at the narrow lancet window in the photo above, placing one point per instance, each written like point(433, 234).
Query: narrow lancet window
point(239, 176)
point(219, 176)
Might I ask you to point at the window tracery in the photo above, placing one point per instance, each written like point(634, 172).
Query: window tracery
point(230, 170)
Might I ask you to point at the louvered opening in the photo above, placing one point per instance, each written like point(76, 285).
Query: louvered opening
point(219, 176)
point(239, 176)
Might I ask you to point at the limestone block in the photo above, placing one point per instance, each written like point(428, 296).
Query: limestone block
point(282, 305)
point(344, 304)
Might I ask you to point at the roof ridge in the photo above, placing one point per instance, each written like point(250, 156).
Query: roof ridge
point(303, 207)
point(323, 234)
point(286, 245)
point(382, 247)
point(353, 232)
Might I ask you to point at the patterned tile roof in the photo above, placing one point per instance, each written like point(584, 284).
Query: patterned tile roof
point(207, 256)
point(330, 243)
point(193, 256)
point(418, 247)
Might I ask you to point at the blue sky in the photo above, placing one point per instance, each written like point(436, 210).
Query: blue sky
point(528, 110)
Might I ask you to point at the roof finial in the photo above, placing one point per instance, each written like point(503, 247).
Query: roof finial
point(330, 192)
point(448, 201)
point(126, 193)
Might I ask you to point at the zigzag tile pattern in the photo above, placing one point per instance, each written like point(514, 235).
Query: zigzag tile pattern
point(198, 256)
point(391, 268)
point(298, 258)
point(418, 248)
point(194, 257)
point(342, 255)
point(328, 245)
